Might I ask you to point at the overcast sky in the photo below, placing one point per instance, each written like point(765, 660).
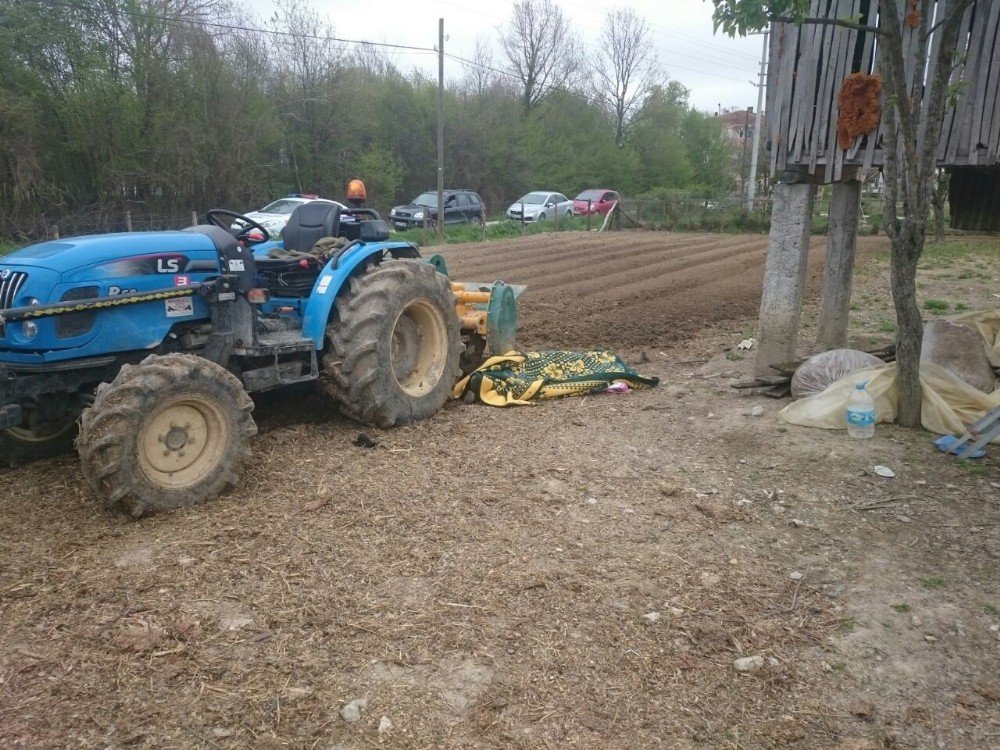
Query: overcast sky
point(717, 69)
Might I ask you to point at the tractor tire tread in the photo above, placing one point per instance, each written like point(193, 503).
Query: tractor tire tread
point(355, 377)
point(109, 431)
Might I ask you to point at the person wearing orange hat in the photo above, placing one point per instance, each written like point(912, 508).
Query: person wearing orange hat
point(356, 194)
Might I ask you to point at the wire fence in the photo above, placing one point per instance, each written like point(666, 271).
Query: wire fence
point(681, 213)
point(94, 220)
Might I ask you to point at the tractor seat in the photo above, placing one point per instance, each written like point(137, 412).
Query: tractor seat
point(294, 277)
point(309, 223)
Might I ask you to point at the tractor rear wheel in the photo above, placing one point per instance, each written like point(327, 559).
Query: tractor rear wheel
point(46, 430)
point(393, 348)
point(168, 432)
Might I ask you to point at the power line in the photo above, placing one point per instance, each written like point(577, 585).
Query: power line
point(236, 27)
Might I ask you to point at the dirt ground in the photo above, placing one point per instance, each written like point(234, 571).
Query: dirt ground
point(583, 573)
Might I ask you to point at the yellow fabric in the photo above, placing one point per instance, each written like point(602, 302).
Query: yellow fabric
point(518, 379)
point(949, 404)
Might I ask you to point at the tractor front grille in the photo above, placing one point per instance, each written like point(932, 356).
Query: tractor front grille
point(10, 284)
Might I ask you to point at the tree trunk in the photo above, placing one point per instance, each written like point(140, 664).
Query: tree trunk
point(938, 196)
point(938, 221)
point(906, 250)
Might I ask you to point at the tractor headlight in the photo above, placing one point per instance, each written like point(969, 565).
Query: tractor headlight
point(418, 215)
point(30, 329)
point(33, 302)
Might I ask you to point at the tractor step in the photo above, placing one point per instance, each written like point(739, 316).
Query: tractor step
point(280, 346)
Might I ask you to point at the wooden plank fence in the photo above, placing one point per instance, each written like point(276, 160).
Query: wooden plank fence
point(808, 64)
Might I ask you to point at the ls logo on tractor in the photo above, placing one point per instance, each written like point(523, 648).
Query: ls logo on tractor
point(168, 265)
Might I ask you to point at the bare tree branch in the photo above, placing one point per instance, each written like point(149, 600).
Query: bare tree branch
point(541, 49)
point(625, 68)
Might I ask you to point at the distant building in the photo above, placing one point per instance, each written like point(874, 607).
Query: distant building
point(739, 123)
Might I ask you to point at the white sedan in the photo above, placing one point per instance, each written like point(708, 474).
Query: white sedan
point(540, 205)
point(274, 216)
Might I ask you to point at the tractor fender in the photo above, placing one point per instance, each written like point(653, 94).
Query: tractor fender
point(333, 279)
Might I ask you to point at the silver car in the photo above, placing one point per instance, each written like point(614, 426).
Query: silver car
point(540, 205)
point(274, 216)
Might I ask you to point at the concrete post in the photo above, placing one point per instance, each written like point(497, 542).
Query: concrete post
point(845, 202)
point(784, 274)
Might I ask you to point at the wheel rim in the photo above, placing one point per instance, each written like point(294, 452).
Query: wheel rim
point(183, 442)
point(30, 436)
point(419, 347)
point(50, 429)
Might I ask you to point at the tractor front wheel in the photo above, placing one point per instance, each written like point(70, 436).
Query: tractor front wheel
point(169, 432)
point(393, 347)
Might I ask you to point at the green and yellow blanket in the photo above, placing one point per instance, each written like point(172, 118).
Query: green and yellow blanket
point(519, 378)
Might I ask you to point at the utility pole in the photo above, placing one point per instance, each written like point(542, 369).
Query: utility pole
point(745, 131)
point(752, 183)
point(440, 214)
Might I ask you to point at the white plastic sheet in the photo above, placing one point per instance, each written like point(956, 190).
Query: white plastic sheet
point(949, 404)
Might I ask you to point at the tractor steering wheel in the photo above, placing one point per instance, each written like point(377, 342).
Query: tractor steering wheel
point(218, 216)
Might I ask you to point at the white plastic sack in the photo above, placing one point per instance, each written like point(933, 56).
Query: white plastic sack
point(818, 373)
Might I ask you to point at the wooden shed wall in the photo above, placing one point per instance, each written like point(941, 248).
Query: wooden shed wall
point(808, 64)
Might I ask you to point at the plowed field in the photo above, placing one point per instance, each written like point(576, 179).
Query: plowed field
point(627, 289)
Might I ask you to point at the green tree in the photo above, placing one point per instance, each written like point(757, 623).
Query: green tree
point(658, 133)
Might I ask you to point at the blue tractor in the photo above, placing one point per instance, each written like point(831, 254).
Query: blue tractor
point(143, 347)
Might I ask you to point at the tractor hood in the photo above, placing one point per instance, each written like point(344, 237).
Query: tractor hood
point(153, 249)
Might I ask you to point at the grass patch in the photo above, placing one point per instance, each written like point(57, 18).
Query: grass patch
point(991, 610)
point(969, 274)
point(901, 608)
point(945, 254)
point(848, 626)
point(461, 233)
point(936, 305)
point(976, 470)
point(886, 325)
point(932, 583)
point(961, 307)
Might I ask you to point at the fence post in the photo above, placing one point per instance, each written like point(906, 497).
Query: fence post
point(590, 215)
point(555, 216)
point(55, 231)
point(128, 221)
point(522, 217)
point(194, 218)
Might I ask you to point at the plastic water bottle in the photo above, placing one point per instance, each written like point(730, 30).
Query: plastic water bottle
point(860, 413)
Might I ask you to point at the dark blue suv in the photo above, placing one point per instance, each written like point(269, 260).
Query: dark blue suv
point(460, 207)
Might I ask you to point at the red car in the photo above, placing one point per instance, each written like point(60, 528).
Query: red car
point(594, 201)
